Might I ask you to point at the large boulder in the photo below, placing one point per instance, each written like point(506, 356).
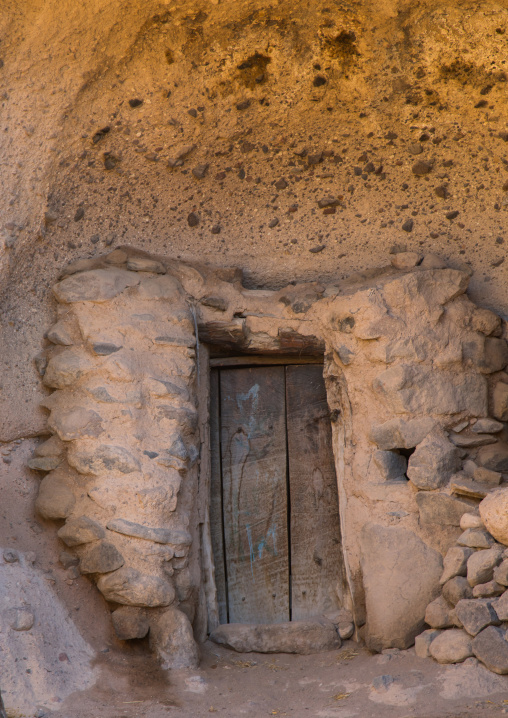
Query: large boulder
point(494, 513)
point(401, 577)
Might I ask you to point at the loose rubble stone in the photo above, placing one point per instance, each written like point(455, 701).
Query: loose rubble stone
point(423, 641)
point(452, 646)
point(490, 589)
point(200, 171)
point(52, 447)
point(494, 513)
point(81, 530)
point(494, 457)
point(65, 369)
point(172, 640)
point(439, 613)
point(456, 589)
point(440, 508)
point(75, 423)
point(471, 521)
point(132, 588)
point(396, 607)
point(145, 264)
point(433, 462)
point(462, 485)
point(97, 285)
point(55, 499)
point(491, 648)
point(130, 622)
point(486, 476)
point(421, 168)
point(105, 458)
point(481, 564)
point(44, 463)
point(432, 261)
point(407, 226)
point(164, 536)
point(102, 557)
point(487, 426)
point(58, 334)
point(20, 618)
point(303, 637)
point(475, 614)
point(405, 260)
point(501, 573)
point(455, 563)
point(501, 607)
point(475, 538)
point(500, 401)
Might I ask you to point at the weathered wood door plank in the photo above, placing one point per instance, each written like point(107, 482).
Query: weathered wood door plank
point(216, 520)
point(316, 556)
point(253, 453)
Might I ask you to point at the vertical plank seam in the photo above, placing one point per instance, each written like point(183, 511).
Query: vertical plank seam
point(223, 528)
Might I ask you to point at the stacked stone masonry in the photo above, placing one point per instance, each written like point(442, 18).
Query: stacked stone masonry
point(470, 617)
point(418, 397)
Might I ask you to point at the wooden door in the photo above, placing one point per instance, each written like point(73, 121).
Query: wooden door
point(274, 507)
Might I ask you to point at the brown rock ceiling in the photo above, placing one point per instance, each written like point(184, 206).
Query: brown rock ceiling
point(286, 102)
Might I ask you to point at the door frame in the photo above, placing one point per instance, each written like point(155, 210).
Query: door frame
point(209, 358)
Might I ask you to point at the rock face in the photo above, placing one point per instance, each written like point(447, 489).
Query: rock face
point(312, 636)
point(405, 346)
point(395, 615)
point(32, 623)
point(494, 513)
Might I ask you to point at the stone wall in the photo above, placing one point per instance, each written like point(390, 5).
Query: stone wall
point(413, 371)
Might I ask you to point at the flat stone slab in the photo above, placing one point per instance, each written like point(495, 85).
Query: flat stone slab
point(129, 528)
point(491, 648)
point(311, 636)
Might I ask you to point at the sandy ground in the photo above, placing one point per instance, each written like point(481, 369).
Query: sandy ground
point(348, 683)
